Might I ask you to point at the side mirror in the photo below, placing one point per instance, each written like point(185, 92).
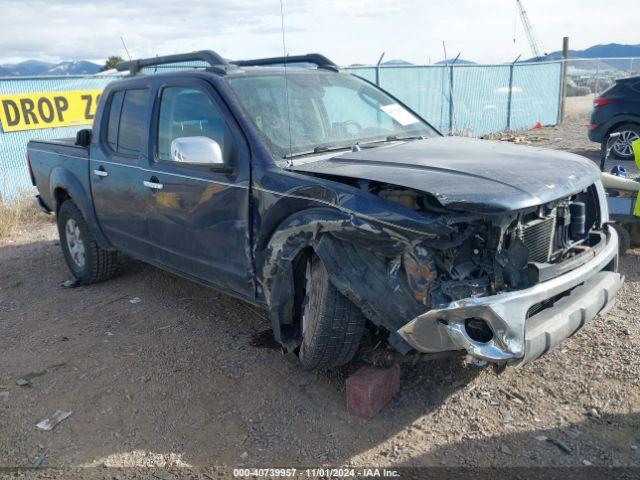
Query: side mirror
point(196, 151)
point(635, 145)
point(83, 137)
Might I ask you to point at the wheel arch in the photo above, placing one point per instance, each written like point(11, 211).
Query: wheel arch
point(618, 121)
point(65, 186)
point(363, 261)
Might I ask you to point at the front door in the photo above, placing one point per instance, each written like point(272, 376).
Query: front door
point(198, 216)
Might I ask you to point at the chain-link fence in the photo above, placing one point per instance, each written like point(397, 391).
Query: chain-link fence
point(592, 76)
point(471, 100)
point(474, 100)
point(14, 177)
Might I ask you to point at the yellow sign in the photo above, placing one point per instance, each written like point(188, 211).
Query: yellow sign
point(635, 146)
point(31, 111)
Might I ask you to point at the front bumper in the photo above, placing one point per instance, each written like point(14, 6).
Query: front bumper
point(576, 297)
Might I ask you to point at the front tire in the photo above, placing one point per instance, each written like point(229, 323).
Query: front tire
point(86, 260)
point(624, 238)
point(621, 147)
point(332, 325)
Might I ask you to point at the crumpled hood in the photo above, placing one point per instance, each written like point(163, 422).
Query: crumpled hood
point(467, 174)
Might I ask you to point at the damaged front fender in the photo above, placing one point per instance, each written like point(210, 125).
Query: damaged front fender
point(385, 272)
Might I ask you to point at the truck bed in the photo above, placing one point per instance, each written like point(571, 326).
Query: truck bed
point(58, 162)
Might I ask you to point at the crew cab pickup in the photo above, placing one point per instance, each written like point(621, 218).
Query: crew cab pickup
point(308, 191)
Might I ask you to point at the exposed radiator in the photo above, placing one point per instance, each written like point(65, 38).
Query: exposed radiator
point(538, 236)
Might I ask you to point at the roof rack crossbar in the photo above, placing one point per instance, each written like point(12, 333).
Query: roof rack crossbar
point(320, 60)
point(207, 56)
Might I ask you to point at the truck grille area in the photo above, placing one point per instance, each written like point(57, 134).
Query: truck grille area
point(552, 231)
point(538, 237)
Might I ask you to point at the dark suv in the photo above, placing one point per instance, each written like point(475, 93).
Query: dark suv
point(617, 110)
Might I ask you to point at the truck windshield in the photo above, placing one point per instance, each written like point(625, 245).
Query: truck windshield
point(327, 111)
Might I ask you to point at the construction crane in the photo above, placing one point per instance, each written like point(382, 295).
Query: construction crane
point(533, 42)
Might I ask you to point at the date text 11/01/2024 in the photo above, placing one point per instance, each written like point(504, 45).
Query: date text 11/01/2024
point(317, 472)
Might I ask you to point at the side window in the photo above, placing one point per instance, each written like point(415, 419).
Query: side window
point(636, 87)
point(114, 119)
point(188, 112)
point(132, 122)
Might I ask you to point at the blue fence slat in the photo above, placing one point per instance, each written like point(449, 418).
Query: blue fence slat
point(479, 98)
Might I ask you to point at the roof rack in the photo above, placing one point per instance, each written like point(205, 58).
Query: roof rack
point(320, 60)
point(214, 60)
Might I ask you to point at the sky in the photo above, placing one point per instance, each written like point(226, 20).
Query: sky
point(347, 31)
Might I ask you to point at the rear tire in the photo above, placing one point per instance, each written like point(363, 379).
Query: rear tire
point(86, 260)
point(332, 325)
point(622, 146)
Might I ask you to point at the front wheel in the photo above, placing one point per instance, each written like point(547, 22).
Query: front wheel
point(624, 238)
point(332, 325)
point(87, 261)
point(621, 146)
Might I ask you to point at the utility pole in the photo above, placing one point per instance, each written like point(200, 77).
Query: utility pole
point(563, 79)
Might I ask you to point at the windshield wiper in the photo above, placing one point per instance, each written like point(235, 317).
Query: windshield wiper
point(395, 138)
point(319, 149)
point(354, 147)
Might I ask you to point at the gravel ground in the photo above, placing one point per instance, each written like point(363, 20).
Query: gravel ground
point(185, 379)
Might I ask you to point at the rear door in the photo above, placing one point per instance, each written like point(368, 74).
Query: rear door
point(119, 196)
point(198, 216)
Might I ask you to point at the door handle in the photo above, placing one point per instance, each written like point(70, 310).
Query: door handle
point(101, 172)
point(153, 185)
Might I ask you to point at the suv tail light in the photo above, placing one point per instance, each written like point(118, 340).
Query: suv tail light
point(599, 102)
point(33, 179)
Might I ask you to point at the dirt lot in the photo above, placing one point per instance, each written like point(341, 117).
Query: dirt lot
point(185, 378)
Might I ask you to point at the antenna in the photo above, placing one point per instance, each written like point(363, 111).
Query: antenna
point(125, 47)
point(286, 83)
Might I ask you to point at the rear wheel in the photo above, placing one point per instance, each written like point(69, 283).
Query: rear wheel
point(332, 325)
point(621, 146)
point(87, 261)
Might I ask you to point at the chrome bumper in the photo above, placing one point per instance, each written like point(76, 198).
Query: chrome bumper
point(588, 290)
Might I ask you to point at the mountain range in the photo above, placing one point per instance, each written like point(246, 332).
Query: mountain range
point(610, 50)
point(38, 68)
point(83, 67)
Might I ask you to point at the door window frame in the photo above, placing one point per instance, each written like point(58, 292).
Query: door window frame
point(242, 151)
point(104, 133)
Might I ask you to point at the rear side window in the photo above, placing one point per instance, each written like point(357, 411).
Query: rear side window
point(636, 87)
point(114, 120)
point(132, 126)
point(125, 130)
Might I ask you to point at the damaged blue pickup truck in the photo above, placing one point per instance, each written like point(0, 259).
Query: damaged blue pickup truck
point(308, 191)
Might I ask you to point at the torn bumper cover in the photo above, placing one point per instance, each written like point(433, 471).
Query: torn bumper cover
point(517, 336)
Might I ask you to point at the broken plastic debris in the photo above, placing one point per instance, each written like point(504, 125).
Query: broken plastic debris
point(25, 380)
point(135, 300)
point(40, 459)
point(71, 283)
point(478, 362)
point(49, 423)
point(561, 445)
